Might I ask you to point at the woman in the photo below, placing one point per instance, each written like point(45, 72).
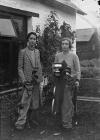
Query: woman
point(28, 66)
point(63, 93)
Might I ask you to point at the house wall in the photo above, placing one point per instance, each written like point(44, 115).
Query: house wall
point(87, 51)
point(90, 49)
point(30, 5)
point(44, 11)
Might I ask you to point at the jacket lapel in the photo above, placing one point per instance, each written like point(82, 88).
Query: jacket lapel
point(30, 58)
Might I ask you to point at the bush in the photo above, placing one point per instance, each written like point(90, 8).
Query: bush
point(90, 68)
point(49, 43)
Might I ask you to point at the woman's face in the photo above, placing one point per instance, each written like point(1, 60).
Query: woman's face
point(65, 45)
point(32, 41)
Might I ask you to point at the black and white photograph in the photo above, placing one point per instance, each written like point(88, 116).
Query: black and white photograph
point(49, 69)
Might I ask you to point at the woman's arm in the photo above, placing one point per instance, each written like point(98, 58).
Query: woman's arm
point(56, 59)
point(77, 67)
point(21, 66)
point(40, 79)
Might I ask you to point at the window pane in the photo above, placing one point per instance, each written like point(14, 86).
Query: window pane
point(6, 28)
point(19, 24)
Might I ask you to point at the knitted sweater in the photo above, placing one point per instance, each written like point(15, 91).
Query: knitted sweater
point(72, 61)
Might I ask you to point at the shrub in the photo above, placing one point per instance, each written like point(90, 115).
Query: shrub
point(49, 42)
point(90, 68)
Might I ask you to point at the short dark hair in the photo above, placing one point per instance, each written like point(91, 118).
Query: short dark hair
point(31, 33)
point(69, 40)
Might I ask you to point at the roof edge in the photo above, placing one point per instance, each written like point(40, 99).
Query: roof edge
point(18, 11)
point(72, 5)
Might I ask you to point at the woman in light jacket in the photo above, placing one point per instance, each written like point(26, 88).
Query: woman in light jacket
point(28, 61)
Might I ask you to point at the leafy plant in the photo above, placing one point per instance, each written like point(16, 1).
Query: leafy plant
point(50, 42)
point(66, 31)
point(90, 68)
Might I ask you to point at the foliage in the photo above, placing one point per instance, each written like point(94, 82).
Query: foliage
point(90, 68)
point(50, 42)
point(66, 31)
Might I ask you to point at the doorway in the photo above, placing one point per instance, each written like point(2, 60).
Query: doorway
point(11, 40)
point(8, 63)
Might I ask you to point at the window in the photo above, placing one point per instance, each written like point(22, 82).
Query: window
point(6, 28)
point(12, 37)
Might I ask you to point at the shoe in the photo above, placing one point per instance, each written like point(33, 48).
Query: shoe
point(67, 130)
point(19, 127)
point(57, 132)
point(67, 127)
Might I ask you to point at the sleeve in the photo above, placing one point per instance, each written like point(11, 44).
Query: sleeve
point(56, 59)
point(77, 67)
point(21, 66)
point(40, 68)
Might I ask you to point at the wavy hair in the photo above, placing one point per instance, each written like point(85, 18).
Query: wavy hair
point(69, 40)
point(31, 33)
